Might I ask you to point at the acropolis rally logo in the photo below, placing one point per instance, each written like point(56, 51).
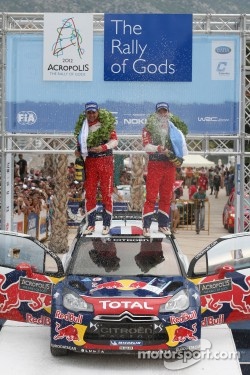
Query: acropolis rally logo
point(68, 36)
point(68, 47)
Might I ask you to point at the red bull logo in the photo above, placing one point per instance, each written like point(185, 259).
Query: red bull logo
point(69, 333)
point(120, 284)
point(151, 286)
point(18, 292)
point(70, 317)
point(108, 285)
point(182, 333)
point(235, 298)
point(184, 317)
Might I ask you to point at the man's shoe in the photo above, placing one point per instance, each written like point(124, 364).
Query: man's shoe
point(146, 232)
point(105, 230)
point(164, 230)
point(89, 230)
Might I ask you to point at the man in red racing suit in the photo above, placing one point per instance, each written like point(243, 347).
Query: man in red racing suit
point(96, 141)
point(165, 145)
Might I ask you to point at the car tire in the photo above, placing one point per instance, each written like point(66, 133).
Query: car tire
point(58, 352)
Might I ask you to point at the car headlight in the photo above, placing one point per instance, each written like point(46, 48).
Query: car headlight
point(179, 302)
point(76, 303)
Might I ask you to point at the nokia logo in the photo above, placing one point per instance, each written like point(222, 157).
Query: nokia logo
point(26, 118)
point(134, 121)
point(223, 50)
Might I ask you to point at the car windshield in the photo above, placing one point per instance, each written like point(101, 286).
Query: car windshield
point(124, 256)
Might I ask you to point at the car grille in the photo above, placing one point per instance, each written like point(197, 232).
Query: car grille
point(126, 326)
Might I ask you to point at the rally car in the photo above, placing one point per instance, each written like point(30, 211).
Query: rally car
point(228, 214)
point(124, 293)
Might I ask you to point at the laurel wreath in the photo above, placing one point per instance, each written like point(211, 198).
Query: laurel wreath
point(95, 138)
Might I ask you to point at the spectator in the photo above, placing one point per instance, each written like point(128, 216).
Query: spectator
point(189, 176)
point(175, 215)
point(22, 163)
point(226, 180)
point(211, 180)
point(203, 180)
point(124, 178)
point(230, 180)
point(217, 183)
point(192, 189)
point(199, 199)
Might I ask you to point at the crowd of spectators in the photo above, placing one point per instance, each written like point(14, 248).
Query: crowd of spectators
point(207, 178)
point(34, 191)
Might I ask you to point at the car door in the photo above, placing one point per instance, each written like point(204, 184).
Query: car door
point(222, 273)
point(28, 271)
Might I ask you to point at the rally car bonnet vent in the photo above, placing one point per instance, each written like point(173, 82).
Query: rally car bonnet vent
point(173, 286)
point(78, 285)
point(126, 317)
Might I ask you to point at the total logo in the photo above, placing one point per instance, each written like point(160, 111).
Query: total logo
point(26, 118)
point(108, 304)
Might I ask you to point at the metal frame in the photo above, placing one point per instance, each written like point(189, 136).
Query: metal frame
point(200, 144)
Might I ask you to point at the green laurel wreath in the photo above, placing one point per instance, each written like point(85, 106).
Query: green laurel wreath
point(95, 138)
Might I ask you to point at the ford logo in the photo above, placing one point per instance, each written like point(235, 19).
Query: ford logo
point(223, 50)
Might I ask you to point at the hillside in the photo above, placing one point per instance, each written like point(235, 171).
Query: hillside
point(127, 6)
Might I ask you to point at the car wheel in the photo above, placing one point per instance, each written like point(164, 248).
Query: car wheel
point(58, 352)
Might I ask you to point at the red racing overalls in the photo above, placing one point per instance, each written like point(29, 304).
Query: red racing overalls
point(159, 184)
point(99, 174)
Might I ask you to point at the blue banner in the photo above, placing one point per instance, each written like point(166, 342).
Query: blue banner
point(148, 47)
point(209, 104)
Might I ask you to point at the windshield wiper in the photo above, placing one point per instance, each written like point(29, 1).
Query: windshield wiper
point(145, 274)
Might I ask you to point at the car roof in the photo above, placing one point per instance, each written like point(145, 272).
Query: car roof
point(125, 225)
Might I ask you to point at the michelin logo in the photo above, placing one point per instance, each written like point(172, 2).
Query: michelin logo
point(125, 342)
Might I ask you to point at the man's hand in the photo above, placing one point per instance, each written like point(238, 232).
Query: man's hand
point(96, 149)
point(167, 152)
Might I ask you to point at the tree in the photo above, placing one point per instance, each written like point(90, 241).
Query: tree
point(59, 228)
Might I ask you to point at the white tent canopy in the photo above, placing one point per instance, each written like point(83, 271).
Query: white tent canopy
point(197, 161)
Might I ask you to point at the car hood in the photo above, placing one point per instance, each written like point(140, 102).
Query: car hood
point(122, 286)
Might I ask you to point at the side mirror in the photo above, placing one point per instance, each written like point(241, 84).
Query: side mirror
point(223, 270)
point(25, 267)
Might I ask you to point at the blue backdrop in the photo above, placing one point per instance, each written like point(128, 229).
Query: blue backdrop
point(206, 105)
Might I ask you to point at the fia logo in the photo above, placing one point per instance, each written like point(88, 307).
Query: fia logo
point(26, 118)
